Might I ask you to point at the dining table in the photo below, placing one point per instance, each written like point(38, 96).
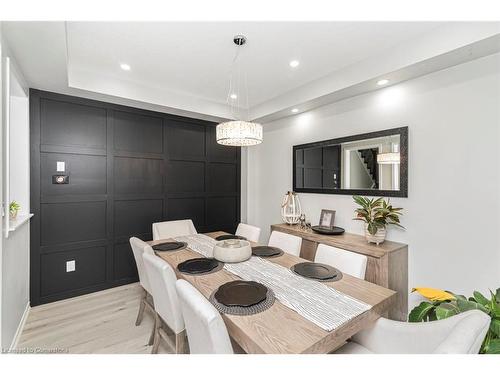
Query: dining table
point(280, 329)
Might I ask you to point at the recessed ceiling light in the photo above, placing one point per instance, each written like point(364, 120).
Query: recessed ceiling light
point(295, 110)
point(383, 82)
point(125, 66)
point(294, 63)
point(233, 96)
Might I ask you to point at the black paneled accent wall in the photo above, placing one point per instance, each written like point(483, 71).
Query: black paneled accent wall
point(127, 168)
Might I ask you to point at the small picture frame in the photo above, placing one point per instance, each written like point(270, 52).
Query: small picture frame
point(327, 218)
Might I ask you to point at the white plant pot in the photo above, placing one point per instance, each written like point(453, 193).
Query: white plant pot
point(376, 238)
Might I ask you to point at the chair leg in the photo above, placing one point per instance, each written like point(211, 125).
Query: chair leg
point(181, 343)
point(142, 306)
point(152, 336)
point(156, 342)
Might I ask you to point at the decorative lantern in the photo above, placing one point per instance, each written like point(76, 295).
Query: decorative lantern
point(290, 208)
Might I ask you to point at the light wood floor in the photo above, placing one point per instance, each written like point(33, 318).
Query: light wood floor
point(102, 322)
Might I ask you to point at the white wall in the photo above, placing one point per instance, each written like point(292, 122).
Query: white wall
point(451, 215)
point(15, 281)
point(14, 251)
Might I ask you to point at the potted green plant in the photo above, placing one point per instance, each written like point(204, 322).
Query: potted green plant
point(14, 208)
point(441, 304)
point(377, 214)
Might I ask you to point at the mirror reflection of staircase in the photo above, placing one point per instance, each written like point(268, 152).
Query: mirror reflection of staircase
point(369, 158)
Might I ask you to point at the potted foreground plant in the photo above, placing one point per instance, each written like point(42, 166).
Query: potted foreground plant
point(377, 215)
point(441, 304)
point(14, 208)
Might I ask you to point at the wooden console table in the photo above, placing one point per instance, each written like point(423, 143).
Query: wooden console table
point(387, 264)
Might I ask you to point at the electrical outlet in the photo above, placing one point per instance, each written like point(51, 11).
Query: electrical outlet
point(61, 166)
point(70, 266)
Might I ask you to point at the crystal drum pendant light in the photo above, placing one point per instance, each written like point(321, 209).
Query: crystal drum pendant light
point(392, 157)
point(238, 132)
point(388, 158)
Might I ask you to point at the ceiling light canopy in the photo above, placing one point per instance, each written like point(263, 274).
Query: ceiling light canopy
point(238, 132)
point(294, 63)
point(382, 82)
point(295, 110)
point(125, 66)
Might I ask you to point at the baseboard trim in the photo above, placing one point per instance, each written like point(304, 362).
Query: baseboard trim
point(20, 327)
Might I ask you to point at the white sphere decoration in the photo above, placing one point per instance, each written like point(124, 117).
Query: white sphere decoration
point(290, 208)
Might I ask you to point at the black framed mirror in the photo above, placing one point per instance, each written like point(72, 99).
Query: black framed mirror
point(373, 164)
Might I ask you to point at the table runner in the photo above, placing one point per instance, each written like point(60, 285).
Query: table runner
point(324, 306)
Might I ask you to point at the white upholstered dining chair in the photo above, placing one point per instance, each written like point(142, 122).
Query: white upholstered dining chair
point(459, 334)
point(286, 242)
point(168, 310)
point(346, 261)
point(174, 228)
point(139, 247)
point(206, 331)
point(250, 232)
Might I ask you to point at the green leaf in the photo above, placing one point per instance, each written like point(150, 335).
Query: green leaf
point(494, 306)
point(372, 228)
point(420, 312)
point(445, 310)
point(493, 347)
point(432, 315)
point(465, 305)
point(498, 295)
point(495, 327)
point(459, 296)
point(481, 299)
point(363, 202)
point(398, 225)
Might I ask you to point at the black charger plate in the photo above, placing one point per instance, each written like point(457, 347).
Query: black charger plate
point(241, 293)
point(229, 237)
point(317, 271)
point(198, 265)
point(169, 246)
point(326, 230)
point(266, 251)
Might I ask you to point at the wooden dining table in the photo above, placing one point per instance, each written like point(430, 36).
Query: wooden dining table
point(281, 330)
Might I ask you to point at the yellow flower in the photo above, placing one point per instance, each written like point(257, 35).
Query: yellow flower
point(434, 294)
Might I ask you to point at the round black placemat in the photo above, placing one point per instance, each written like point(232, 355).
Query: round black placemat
point(317, 271)
point(169, 246)
point(229, 237)
point(326, 230)
point(239, 310)
point(200, 266)
point(266, 251)
point(241, 293)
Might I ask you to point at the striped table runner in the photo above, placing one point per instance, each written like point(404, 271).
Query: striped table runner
point(318, 303)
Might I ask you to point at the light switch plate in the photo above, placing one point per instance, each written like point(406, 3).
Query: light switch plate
point(61, 166)
point(70, 266)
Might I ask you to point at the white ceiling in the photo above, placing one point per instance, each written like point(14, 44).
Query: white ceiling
point(185, 66)
point(195, 58)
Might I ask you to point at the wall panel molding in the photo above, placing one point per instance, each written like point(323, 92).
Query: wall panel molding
point(127, 168)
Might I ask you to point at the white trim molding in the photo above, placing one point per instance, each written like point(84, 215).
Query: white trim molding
point(20, 328)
